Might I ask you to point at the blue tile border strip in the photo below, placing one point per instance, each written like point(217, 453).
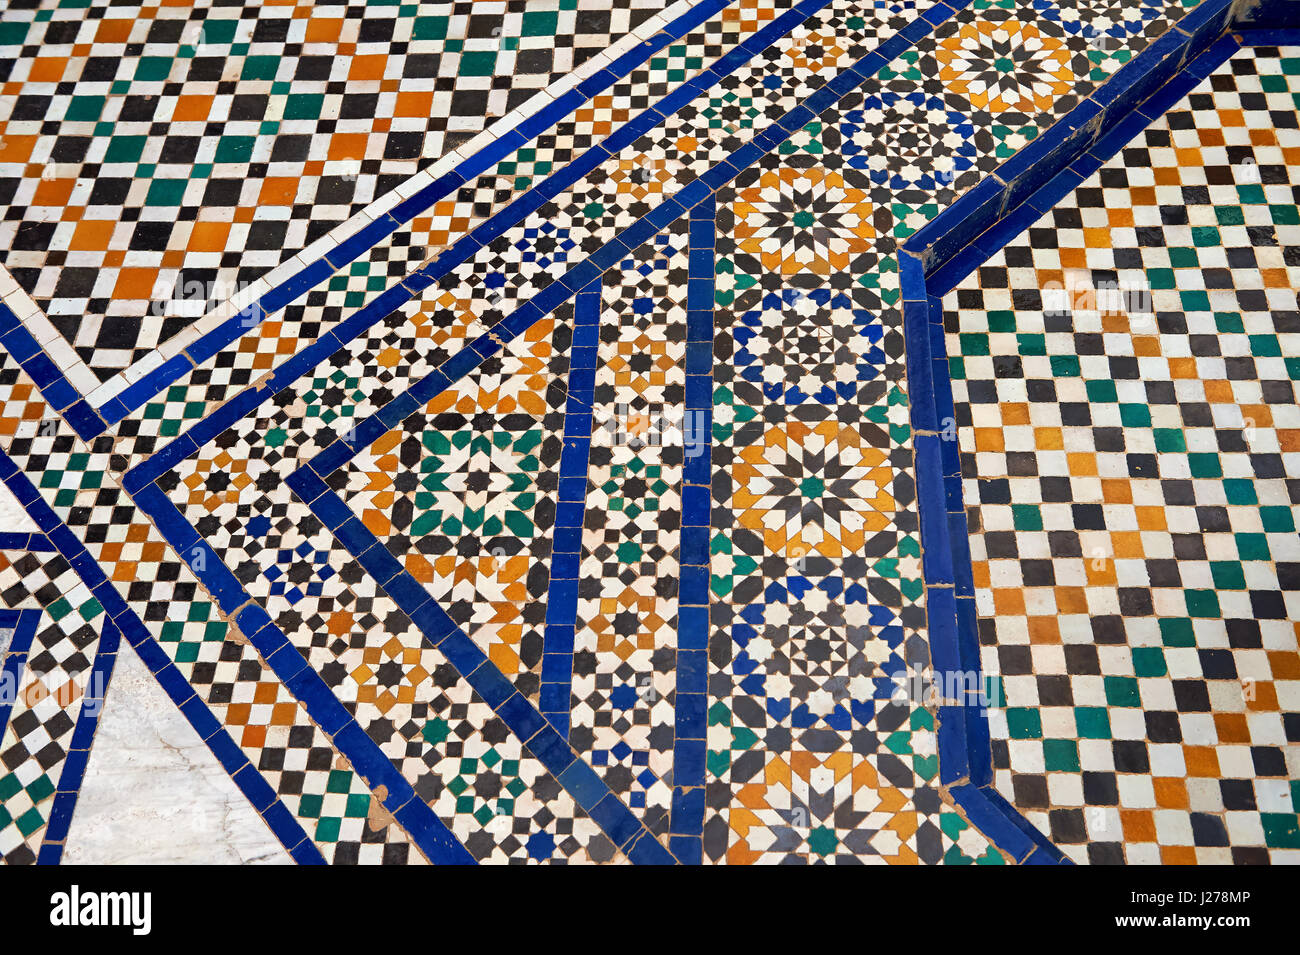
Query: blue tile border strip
point(24, 623)
point(127, 624)
point(686, 816)
point(931, 263)
point(571, 506)
point(83, 735)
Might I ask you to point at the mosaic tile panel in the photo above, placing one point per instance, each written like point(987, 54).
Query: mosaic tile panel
point(820, 731)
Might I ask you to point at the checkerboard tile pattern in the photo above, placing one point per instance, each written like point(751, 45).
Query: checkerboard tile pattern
point(1125, 376)
point(157, 158)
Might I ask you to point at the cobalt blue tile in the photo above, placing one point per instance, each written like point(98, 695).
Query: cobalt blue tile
point(742, 158)
point(956, 266)
point(60, 394)
point(56, 828)
point(441, 187)
point(694, 585)
point(499, 149)
point(555, 696)
point(1215, 55)
point(331, 458)
point(380, 564)
point(972, 213)
point(695, 505)
point(610, 253)
point(574, 455)
point(699, 363)
point(398, 410)
point(1054, 191)
point(302, 281)
point(551, 749)
point(692, 628)
point(691, 717)
point(557, 666)
point(1270, 36)
point(586, 334)
point(889, 49)
point(306, 484)
point(572, 488)
point(305, 851)
point(581, 782)
point(406, 592)
point(689, 759)
point(330, 510)
point(153, 657)
point(432, 621)
point(568, 539)
point(1117, 134)
point(83, 420)
point(941, 617)
point(577, 425)
point(911, 277)
point(616, 820)
point(545, 118)
point(954, 755)
point(562, 597)
point(74, 768)
point(254, 787)
point(569, 513)
point(200, 717)
point(352, 534)
point(432, 384)
point(692, 669)
point(419, 280)
point(695, 546)
point(1208, 19)
point(1141, 76)
point(718, 176)
point(1049, 153)
point(428, 832)
point(252, 619)
point(20, 344)
point(459, 365)
point(952, 489)
point(519, 715)
point(647, 850)
point(280, 655)
point(999, 234)
point(226, 750)
point(492, 686)
point(565, 565)
point(961, 559)
point(286, 828)
point(688, 850)
point(687, 808)
point(464, 654)
point(557, 293)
